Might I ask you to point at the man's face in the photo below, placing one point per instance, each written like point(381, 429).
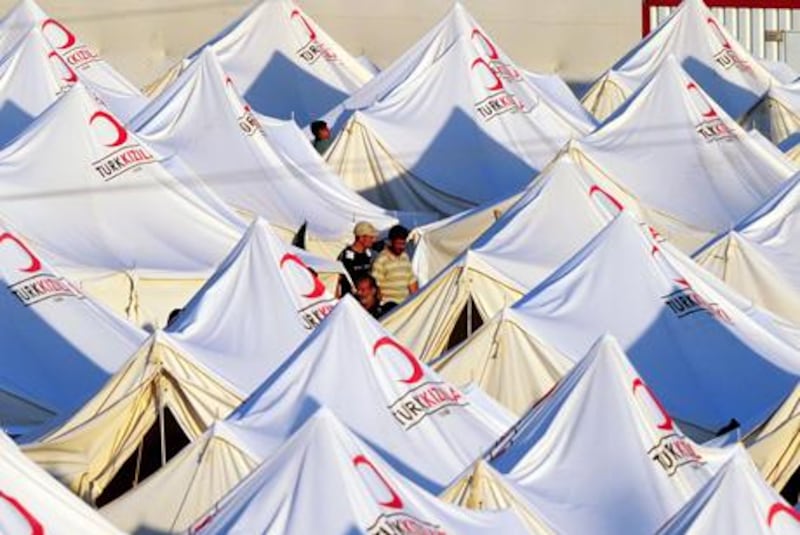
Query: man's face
point(324, 133)
point(366, 240)
point(367, 293)
point(397, 245)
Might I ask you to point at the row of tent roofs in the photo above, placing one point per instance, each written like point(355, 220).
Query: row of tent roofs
point(596, 243)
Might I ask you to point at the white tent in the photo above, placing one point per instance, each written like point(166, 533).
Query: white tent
point(326, 479)
point(29, 83)
point(678, 153)
point(17, 22)
point(513, 255)
point(32, 502)
point(694, 340)
point(703, 46)
point(285, 65)
point(451, 124)
point(76, 58)
point(428, 430)
point(600, 454)
point(201, 119)
point(736, 501)
point(760, 256)
point(261, 303)
point(58, 346)
point(93, 178)
point(483, 488)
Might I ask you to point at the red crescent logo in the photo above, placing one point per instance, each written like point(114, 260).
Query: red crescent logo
point(718, 31)
point(70, 37)
point(71, 76)
point(229, 82)
point(498, 83)
point(597, 189)
point(319, 287)
point(122, 134)
point(778, 508)
point(311, 33)
point(667, 424)
point(36, 527)
point(488, 46)
point(416, 374)
point(35, 264)
point(710, 113)
point(395, 502)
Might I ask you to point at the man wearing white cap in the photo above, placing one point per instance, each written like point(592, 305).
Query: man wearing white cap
point(358, 257)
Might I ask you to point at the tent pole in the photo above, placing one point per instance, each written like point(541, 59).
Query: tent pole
point(469, 316)
point(161, 428)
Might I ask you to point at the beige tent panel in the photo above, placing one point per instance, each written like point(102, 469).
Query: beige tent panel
point(367, 166)
point(425, 323)
point(507, 362)
point(482, 489)
point(186, 488)
point(737, 263)
point(604, 97)
point(439, 243)
point(158, 85)
point(794, 154)
point(86, 451)
point(775, 448)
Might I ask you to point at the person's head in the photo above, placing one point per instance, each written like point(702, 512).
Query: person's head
point(365, 234)
point(397, 239)
point(320, 130)
point(367, 291)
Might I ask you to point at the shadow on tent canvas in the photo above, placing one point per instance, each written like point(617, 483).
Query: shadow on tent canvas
point(751, 386)
point(58, 365)
point(283, 88)
point(462, 160)
point(13, 120)
point(735, 100)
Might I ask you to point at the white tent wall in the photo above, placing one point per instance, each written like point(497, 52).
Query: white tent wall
point(144, 38)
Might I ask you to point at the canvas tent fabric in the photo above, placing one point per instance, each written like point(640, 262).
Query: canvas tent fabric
point(430, 445)
point(437, 244)
point(759, 257)
point(603, 413)
point(513, 255)
point(505, 360)
point(201, 119)
point(285, 65)
point(86, 450)
point(76, 58)
point(32, 502)
point(778, 116)
point(77, 163)
point(326, 478)
point(736, 500)
point(483, 488)
point(680, 155)
point(451, 124)
point(59, 346)
point(673, 318)
point(261, 302)
point(775, 447)
point(703, 46)
point(29, 83)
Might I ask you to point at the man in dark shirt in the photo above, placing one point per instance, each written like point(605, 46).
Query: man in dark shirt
point(369, 295)
point(322, 136)
point(357, 258)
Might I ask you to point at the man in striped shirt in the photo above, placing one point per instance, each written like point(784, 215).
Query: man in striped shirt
point(392, 268)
